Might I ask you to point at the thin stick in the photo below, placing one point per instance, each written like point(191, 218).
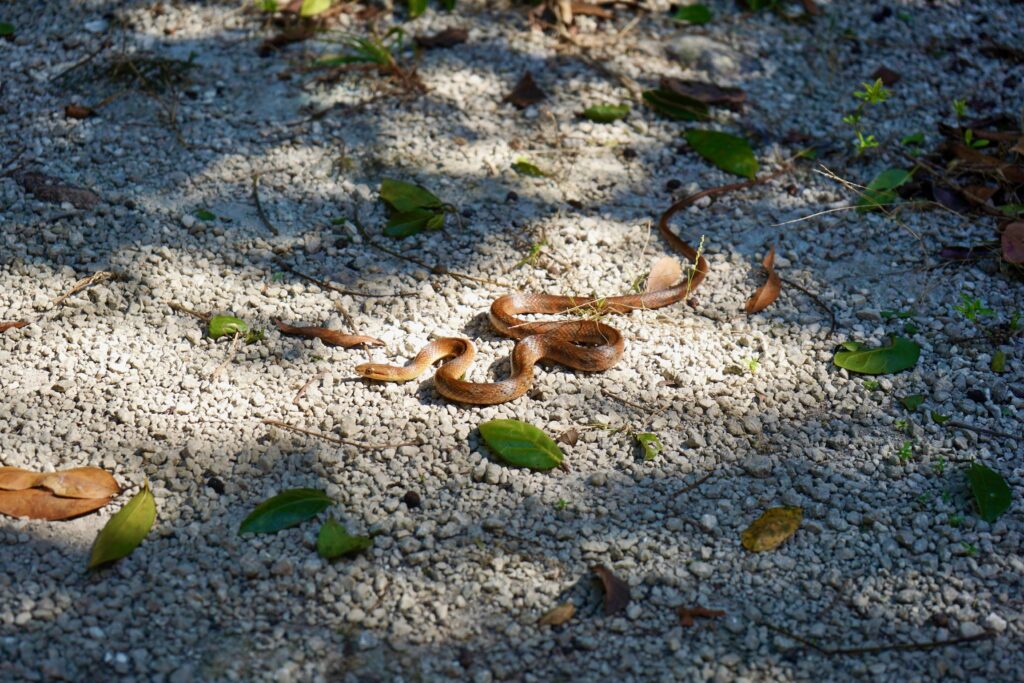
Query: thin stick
point(82, 284)
point(955, 424)
point(690, 487)
point(821, 304)
point(334, 439)
point(188, 311)
point(259, 206)
point(323, 284)
point(874, 649)
point(307, 385)
point(236, 343)
point(82, 62)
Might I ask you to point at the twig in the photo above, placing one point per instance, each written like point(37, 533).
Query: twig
point(259, 206)
point(334, 288)
point(188, 311)
point(305, 387)
point(82, 284)
point(873, 649)
point(334, 439)
point(956, 424)
point(82, 62)
point(629, 403)
point(690, 487)
point(236, 343)
point(820, 304)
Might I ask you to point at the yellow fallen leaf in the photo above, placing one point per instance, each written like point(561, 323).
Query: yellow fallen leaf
point(557, 616)
point(774, 526)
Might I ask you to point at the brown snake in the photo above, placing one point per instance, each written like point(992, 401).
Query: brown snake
point(587, 345)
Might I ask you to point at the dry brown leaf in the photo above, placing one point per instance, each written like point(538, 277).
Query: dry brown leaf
point(327, 336)
point(1013, 243)
point(769, 291)
point(569, 436)
point(811, 8)
point(616, 591)
point(51, 189)
point(708, 93)
point(80, 482)
point(983, 162)
point(40, 504)
point(292, 34)
point(526, 92)
point(665, 272)
point(886, 75)
point(12, 325)
point(772, 528)
point(687, 614)
point(556, 616)
point(17, 479)
point(586, 9)
point(77, 111)
point(449, 37)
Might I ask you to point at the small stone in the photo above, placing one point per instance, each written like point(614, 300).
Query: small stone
point(708, 522)
point(696, 440)
point(758, 466)
point(702, 570)
point(969, 629)
point(995, 622)
point(411, 500)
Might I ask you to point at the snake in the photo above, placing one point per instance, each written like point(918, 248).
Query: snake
point(587, 345)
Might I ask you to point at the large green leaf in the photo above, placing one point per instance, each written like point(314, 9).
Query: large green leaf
point(881, 190)
point(694, 14)
point(900, 354)
point(606, 113)
point(403, 196)
point(727, 152)
point(675, 106)
point(285, 510)
point(991, 492)
point(221, 325)
point(524, 167)
point(335, 541)
point(405, 223)
point(125, 530)
point(521, 444)
point(311, 8)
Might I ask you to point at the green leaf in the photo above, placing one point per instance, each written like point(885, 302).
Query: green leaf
point(125, 530)
point(285, 510)
point(727, 152)
point(405, 223)
point(403, 196)
point(900, 354)
point(311, 8)
point(6, 29)
point(335, 541)
point(606, 113)
point(990, 490)
point(206, 215)
point(939, 418)
point(675, 106)
point(694, 14)
point(872, 385)
point(912, 402)
point(1012, 209)
point(267, 5)
point(448, 4)
point(650, 443)
point(524, 167)
point(999, 361)
point(880, 191)
point(417, 7)
point(913, 139)
point(221, 325)
point(521, 444)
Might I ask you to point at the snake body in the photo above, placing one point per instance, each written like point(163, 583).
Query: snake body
point(588, 345)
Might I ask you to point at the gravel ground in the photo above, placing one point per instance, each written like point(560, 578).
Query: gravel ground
point(889, 552)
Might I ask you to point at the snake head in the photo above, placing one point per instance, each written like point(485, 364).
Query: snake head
point(375, 371)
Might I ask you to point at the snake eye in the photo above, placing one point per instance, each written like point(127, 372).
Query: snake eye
point(372, 371)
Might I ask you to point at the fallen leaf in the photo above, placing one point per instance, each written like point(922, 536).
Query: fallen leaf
point(285, 510)
point(998, 361)
point(403, 197)
point(1019, 146)
point(880, 192)
point(912, 402)
point(706, 93)
point(556, 616)
point(616, 591)
point(693, 14)
point(587, 9)
point(524, 167)
point(727, 152)
point(77, 111)
point(957, 253)
point(767, 293)
point(665, 272)
point(886, 75)
point(13, 325)
point(674, 105)
point(526, 92)
point(606, 113)
point(80, 482)
point(40, 504)
point(332, 337)
point(50, 189)
point(991, 492)
point(1012, 241)
point(950, 198)
point(521, 444)
point(125, 530)
point(771, 529)
point(311, 8)
point(570, 436)
point(17, 479)
point(334, 541)
point(900, 354)
point(811, 8)
point(687, 614)
point(450, 37)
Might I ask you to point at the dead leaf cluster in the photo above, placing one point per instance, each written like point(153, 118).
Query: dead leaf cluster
point(54, 495)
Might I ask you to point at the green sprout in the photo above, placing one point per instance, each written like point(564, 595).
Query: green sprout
point(865, 142)
point(971, 141)
point(960, 108)
point(972, 307)
point(906, 451)
point(873, 93)
point(752, 364)
point(939, 467)
point(533, 256)
point(561, 504)
point(901, 425)
point(970, 549)
point(956, 519)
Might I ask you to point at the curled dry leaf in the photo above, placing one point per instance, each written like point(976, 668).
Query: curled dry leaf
point(526, 92)
point(327, 336)
point(591, 10)
point(12, 325)
point(80, 482)
point(708, 93)
point(772, 528)
point(17, 479)
point(556, 616)
point(51, 189)
point(767, 293)
point(616, 591)
point(687, 614)
point(449, 37)
point(665, 272)
point(40, 504)
point(1013, 243)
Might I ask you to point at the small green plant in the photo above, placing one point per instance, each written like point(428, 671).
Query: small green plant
point(872, 385)
point(923, 498)
point(870, 94)
point(277, 276)
point(960, 108)
point(418, 7)
point(906, 451)
point(752, 364)
point(901, 425)
point(947, 497)
point(1014, 321)
point(371, 50)
point(971, 141)
point(956, 519)
point(865, 142)
point(561, 504)
point(695, 265)
point(972, 307)
point(939, 466)
point(533, 256)
point(970, 550)
point(873, 93)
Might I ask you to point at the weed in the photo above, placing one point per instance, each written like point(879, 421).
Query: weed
point(696, 262)
point(960, 108)
point(752, 364)
point(873, 93)
point(971, 141)
point(947, 497)
point(870, 94)
point(277, 277)
point(970, 549)
point(906, 451)
point(956, 519)
point(939, 466)
point(901, 425)
point(533, 256)
point(561, 504)
point(872, 385)
point(865, 142)
point(972, 307)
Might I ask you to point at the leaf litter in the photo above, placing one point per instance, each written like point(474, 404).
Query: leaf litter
point(54, 496)
point(767, 293)
point(616, 591)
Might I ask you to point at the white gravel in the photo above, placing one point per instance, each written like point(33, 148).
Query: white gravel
point(889, 552)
